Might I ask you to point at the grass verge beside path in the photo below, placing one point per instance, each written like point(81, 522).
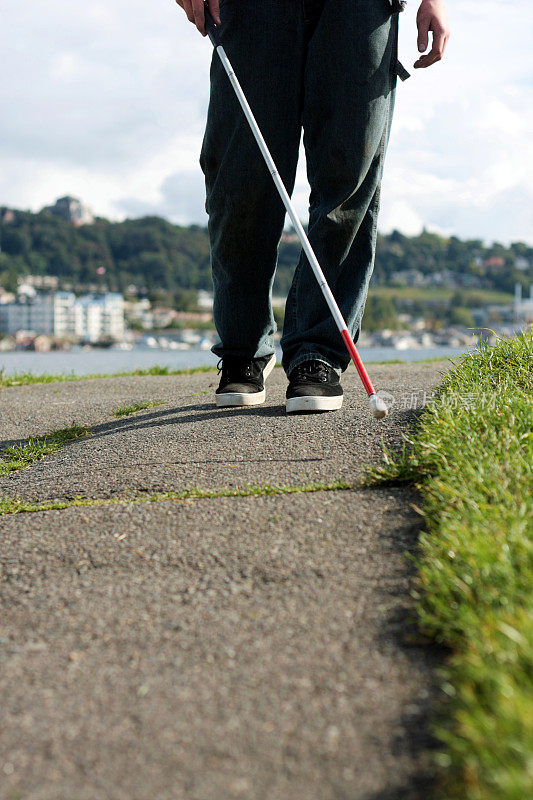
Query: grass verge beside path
point(29, 378)
point(471, 456)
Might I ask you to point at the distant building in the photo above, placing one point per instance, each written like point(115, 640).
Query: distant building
point(523, 308)
point(42, 343)
point(71, 210)
point(47, 282)
point(163, 317)
point(409, 277)
point(6, 297)
point(138, 312)
point(28, 314)
point(494, 261)
point(290, 237)
point(205, 299)
point(92, 318)
point(96, 317)
point(25, 290)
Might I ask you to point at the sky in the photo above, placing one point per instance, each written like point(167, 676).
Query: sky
point(107, 101)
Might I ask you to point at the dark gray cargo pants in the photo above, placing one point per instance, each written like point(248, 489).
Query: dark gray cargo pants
point(329, 67)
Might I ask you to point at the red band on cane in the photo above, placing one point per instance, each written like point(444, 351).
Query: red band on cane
point(360, 367)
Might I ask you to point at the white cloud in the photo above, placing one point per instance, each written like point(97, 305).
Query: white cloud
point(107, 101)
point(468, 168)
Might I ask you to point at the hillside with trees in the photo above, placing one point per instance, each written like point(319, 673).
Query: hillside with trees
point(152, 257)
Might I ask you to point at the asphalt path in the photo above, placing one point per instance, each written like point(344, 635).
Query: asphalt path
point(236, 647)
point(187, 442)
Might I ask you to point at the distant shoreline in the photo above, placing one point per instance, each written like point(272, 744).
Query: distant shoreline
point(113, 361)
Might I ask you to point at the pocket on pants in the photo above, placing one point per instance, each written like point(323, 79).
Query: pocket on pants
point(373, 32)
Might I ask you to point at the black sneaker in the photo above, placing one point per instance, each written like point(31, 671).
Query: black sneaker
point(242, 382)
point(313, 386)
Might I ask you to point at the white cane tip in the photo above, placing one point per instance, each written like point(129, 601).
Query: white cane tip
point(378, 407)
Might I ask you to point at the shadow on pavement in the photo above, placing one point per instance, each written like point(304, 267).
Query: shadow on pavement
point(399, 629)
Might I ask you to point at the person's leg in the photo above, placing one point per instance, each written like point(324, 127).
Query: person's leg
point(265, 44)
point(348, 103)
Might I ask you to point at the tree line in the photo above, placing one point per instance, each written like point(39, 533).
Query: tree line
point(171, 262)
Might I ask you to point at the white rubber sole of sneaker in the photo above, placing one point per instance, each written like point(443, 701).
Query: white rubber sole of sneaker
point(232, 399)
point(312, 403)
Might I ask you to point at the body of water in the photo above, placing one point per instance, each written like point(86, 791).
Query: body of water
point(89, 362)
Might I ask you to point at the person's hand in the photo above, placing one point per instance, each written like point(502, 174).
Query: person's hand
point(195, 12)
point(431, 17)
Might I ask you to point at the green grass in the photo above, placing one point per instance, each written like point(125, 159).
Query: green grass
point(471, 455)
point(28, 378)
point(127, 411)
point(16, 505)
point(440, 294)
point(418, 361)
point(22, 455)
